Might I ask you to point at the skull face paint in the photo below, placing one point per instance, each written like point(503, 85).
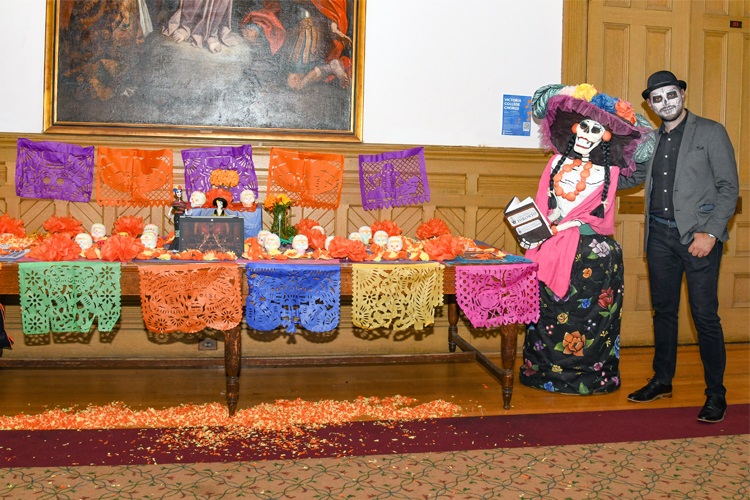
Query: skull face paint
point(588, 136)
point(667, 102)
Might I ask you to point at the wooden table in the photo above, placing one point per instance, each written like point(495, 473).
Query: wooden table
point(130, 287)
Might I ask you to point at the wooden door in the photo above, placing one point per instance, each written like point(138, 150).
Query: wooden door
point(706, 43)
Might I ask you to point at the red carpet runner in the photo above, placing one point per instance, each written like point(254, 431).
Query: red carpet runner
point(148, 446)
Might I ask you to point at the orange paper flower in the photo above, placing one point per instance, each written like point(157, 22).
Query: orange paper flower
point(306, 225)
point(342, 248)
point(388, 226)
point(129, 224)
point(624, 110)
point(228, 178)
point(63, 225)
point(56, 247)
point(432, 228)
point(444, 247)
point(120, 247)
point(9, 225)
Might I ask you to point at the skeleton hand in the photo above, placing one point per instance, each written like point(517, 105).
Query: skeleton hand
point(524, 243)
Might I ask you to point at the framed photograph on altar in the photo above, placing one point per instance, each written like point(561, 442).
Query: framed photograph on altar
point(243, 69)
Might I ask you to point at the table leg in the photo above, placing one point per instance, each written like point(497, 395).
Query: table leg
point(452, 321)
point(232, 350)
point(509, 341)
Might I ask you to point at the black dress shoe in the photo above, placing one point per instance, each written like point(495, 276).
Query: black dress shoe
point(714, 410)
point(651, 391)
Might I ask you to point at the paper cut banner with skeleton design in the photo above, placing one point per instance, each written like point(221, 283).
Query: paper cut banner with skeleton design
point(54, 170)
point(393, 179)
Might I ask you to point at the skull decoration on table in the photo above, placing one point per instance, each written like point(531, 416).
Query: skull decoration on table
point(380, 238)
point(84, 241)
point(300, 243)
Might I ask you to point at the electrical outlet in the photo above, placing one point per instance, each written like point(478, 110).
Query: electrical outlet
point(207, 345)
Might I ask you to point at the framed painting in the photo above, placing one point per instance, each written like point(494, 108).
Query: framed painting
point(243, 69)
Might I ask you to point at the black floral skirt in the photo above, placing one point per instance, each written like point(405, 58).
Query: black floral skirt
point(575, 346)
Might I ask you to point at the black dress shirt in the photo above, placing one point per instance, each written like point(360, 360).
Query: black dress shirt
point(663, 171)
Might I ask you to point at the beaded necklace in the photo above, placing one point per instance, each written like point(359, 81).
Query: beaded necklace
point(580, 186)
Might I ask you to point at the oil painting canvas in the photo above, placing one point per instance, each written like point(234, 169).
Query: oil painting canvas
point(222, 68)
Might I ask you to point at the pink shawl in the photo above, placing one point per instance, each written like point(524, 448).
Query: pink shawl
point(556, 255)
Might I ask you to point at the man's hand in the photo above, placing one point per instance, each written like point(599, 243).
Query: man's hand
point(702, 245)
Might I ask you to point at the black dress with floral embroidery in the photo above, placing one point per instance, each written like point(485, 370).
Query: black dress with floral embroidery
point(575, 346)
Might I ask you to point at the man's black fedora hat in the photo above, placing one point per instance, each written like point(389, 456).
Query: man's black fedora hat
point(662, 79)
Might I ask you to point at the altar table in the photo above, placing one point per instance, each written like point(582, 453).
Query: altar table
point(130, 287)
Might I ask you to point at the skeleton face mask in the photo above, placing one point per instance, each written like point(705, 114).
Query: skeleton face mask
point(667, 102)
point(588, 136)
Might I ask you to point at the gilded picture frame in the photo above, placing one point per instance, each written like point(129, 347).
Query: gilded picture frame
point(223, 69)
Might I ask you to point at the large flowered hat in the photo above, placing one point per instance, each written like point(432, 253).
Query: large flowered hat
point(560, 106)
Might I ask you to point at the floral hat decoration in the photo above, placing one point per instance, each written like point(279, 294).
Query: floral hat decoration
point(560, 107)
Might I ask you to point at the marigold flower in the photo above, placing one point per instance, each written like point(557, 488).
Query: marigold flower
point(228, 178)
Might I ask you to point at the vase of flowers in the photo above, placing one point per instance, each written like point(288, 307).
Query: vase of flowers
point(280, 208)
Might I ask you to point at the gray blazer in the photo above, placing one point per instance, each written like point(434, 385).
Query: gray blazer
point(706, 184)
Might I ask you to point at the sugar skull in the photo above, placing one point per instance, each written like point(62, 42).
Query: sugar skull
point(197, 199)
point(300, 243)
point(247, 198)
point(98, 231)
point(84, 241)
point(272, 243)
point(366, 234)
point(355, 236)
point(151, 228)
point(380, 238)
point(328, 241)
point(262, 235)
point(149, 240)
point(395, 244)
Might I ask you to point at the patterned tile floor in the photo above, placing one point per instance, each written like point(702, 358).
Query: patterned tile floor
point(710, 468)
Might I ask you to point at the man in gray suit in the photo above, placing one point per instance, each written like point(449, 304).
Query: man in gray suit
point(691, 193)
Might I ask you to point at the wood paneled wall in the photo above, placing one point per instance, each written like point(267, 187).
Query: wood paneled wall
point(613, 44)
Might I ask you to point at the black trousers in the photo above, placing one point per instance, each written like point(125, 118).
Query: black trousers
point(668, 261)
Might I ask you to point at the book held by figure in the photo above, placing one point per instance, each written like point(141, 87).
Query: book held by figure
point(527, 221)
